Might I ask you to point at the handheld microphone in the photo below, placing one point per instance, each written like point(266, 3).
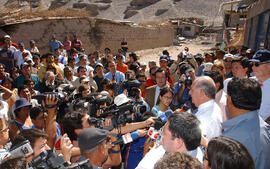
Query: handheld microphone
point(127, 138)
point(164, 115)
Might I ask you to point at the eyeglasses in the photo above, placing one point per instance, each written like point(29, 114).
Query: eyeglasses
point(3, 130)
point(258, 64)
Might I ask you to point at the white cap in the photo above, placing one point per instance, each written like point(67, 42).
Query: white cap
point(121, 99)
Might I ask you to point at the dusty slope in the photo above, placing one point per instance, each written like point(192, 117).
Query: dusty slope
point(137, 11)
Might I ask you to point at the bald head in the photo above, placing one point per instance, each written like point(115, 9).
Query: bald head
point(207, 85)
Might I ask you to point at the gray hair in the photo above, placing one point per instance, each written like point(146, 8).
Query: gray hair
point(47, 74)
point(208, 86)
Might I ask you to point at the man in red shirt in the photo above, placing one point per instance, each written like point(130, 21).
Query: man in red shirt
point(77, 44)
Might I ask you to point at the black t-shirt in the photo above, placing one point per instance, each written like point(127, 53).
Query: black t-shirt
point(124, 46)
point(98, 81)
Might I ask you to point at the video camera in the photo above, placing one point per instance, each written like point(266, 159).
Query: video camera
point(24, 149)
point(61, 94)
point(185, 68)
point(50, 160)
point(92, 103)
point(127, 84)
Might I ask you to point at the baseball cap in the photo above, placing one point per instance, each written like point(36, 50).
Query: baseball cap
point(163, 57)
point(21, 44)
point(91, 137)
point(121, 99)
point(99, 64)
point(24, 64)
point(228, 55)
point(261, 56)
point(36, 57)
point(27, 59)
point(32, 41)
point(6, 37)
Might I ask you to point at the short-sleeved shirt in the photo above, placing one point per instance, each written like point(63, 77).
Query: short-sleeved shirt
point(7, 54)
point(19, 81)
point(250, 130)
point(55, 45)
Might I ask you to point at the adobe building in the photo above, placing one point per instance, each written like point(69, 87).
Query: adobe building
point(257, 30)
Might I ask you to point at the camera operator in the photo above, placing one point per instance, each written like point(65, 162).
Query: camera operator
point(74, 123)
point(181, 96)
point(84, 91)
point(135, 95)
point(23, 120)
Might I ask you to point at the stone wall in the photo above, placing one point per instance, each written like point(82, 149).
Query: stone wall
point(96, 34)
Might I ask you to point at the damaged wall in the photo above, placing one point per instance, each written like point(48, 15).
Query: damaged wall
point(96, 34)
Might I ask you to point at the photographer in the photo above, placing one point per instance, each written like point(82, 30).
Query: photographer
point(23, 120)
point(135, 94)
point(181, 96)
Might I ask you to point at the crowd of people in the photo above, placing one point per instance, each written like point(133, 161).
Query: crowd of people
point(100, 110)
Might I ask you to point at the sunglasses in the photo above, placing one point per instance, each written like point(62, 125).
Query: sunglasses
point(258, 64)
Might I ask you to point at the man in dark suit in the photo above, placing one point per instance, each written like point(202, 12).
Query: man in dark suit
point(152, 93)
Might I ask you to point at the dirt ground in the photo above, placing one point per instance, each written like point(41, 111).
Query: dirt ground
point(195, 46)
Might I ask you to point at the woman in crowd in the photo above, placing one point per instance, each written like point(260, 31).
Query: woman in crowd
point(226, 153)
point(219, 66)
point(163, 102)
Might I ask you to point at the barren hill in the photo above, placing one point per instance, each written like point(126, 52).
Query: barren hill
point(130, 10)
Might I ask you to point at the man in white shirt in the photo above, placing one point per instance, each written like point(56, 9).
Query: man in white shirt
point(261, 69)
point(203, 93)
point(83, 62)
point(181, 133)
point(20, 54)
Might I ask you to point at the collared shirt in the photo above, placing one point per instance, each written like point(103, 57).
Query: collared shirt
point(155, 154)
point(221, 100)
point(210, 116)
point(156, 94)
point(118, 76)
point(264, 111)
point(250, 130)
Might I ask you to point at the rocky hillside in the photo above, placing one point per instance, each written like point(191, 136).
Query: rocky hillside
point(130, 10)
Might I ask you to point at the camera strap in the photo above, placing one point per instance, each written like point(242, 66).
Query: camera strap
point(50, 106)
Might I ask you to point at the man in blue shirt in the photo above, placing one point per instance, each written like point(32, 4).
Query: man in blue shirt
point(26, 74)
point(54, 44)
point(245, 125)
point(113, 74)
